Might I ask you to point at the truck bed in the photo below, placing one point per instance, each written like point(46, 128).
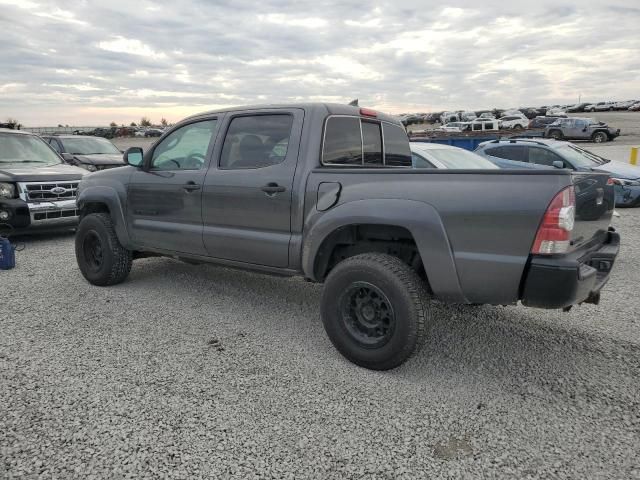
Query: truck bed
point(487, 219)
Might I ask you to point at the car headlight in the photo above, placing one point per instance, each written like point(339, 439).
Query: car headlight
point(7, 190)
point(88, 166)
point(625, 182)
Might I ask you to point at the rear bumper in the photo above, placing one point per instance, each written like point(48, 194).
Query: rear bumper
point(559, 282)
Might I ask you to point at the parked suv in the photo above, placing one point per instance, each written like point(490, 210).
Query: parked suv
point(37, 189)
point(581, 129)
point(545, 154)
point(599, 107)
point(90, 153)
point(327, 192)
point(517, 122)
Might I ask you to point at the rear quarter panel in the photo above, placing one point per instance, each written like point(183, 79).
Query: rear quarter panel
point(488, 220)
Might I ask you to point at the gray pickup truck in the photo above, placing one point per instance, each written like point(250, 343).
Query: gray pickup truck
point(327, 192)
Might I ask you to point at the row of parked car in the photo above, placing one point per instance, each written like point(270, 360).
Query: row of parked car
point(573, 128)
point(114, 132)
point(530, 113)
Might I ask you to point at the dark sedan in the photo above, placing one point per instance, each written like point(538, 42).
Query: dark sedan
point(90, 153)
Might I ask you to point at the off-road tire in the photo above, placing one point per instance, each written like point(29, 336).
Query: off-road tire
point(406, 294)
point(599, 137)
point(116, 260)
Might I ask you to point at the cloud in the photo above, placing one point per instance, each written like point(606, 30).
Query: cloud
point(130, 46)
point(75, 61)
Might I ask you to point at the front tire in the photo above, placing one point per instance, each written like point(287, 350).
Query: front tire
point(374, 310)
point(101, 258)
point(599, 137)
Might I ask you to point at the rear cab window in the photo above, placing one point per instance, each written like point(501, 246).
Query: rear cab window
point(355, 141)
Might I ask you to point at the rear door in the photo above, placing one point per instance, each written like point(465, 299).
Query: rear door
point(247, 192)
point(164, 202)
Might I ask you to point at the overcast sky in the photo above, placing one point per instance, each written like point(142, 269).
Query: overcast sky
point(90, 62)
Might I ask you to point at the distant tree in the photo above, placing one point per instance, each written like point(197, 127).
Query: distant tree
point(133, 124)
point(113, 124)
point(13, 123)
point(145, 122)
point(60, 125)
point(164, 122)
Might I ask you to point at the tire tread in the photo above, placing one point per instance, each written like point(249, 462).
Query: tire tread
point(417, 291)
point(122, 258)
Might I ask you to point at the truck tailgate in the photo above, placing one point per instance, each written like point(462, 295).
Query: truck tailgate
point(595, 201)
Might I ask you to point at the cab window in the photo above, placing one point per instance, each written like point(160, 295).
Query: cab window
point(256, 141)
point(185, 148)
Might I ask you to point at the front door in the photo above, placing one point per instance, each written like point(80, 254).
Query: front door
point(164, 208)
point(248, 192)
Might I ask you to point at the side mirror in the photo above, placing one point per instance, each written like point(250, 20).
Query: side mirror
point(558, 164)
point(67, 157)
point(133, 156)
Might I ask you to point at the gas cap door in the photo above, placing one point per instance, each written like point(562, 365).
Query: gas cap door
point(328, 195)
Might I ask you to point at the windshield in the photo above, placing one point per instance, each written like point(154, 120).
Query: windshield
point(580, 158)
point(459, 158)
point(19, 148)
point(89, 146)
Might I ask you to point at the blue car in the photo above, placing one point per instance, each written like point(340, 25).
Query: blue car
point(547, 153)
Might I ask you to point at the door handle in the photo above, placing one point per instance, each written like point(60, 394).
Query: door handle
point(190, 186)
point(272, 188)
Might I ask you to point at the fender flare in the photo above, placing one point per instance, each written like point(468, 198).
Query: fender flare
point(419, 218)
point(109, 197)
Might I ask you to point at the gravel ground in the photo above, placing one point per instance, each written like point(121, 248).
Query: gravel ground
point(201, 371)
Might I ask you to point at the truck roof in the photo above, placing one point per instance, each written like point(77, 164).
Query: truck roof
point(330, 108)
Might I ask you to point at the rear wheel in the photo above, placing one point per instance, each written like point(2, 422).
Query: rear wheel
point(555, 134)
point(374, 310)
point(599, 137)
point(101, 258)
point(518, 127)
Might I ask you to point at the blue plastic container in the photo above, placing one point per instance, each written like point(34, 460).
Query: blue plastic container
point(7, 254)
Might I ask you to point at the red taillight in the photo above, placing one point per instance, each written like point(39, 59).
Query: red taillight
point(367, 112)
point(554, 233)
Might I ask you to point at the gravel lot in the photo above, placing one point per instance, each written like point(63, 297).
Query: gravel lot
point(201, 371)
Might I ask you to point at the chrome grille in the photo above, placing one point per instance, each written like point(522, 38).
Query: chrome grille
point(53, 214)
point(50, 192)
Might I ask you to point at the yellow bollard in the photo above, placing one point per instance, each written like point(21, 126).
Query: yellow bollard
point(633, 160)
